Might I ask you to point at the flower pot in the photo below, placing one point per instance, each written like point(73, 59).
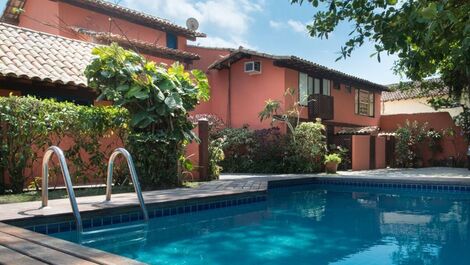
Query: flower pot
point(331, 167)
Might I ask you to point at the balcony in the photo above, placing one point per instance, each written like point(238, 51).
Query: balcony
point(320, 106)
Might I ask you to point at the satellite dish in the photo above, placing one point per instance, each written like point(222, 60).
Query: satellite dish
point(192, 24)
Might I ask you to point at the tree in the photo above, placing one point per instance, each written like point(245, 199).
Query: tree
point(430, 37)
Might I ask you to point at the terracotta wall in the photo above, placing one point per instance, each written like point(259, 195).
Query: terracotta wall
point(218, 81)
point(344, 108)
point(380, 152)
point(56, 17)
point(452, 146)
point(108, 144)
point(360, 152)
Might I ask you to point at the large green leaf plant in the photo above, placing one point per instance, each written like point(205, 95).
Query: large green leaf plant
point(159, 99)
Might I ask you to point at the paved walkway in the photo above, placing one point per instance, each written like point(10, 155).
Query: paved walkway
point(421, 174)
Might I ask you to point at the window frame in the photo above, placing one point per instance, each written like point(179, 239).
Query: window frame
point(300, 96)
point(170, 38)
point(370, 103)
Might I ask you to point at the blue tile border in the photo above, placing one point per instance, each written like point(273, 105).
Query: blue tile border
point(154, 212)
point(372, 183)
point(417, 186)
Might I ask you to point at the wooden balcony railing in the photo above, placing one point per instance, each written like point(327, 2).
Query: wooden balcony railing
point(321, 106)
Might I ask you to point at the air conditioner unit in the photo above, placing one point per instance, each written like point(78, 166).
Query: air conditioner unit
point(253, 67)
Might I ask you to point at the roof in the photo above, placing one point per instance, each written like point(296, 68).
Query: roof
point(412, 91)
point(299, 64)
point(111, 9)
point(138, 45)
point(34, 55)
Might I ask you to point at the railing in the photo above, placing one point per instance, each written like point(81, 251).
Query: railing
point(67, 180)
point(135, 180)
point(321, 106)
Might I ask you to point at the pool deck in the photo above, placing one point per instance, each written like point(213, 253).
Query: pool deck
point(20, 246)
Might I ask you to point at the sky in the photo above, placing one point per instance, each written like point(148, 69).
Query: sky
point(271, 26)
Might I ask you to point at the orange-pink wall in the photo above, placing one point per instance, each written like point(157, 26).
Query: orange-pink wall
point(57, 16)
point(218, 81)
point(452, 146)
point(380, 152)
point(360, 152)
point(250, 92)
point(344, 107)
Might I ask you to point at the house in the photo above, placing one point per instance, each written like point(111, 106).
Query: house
point(48, 46)
point(242, 80)
point(47, 51)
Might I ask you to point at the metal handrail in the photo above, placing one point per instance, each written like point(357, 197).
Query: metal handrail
point(67, 180)
point(135, 180)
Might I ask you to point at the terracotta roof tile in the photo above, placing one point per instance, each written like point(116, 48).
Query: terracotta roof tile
point(412, 92)
point(138, 45)
point(41, 56)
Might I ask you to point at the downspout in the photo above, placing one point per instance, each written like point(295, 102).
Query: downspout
point(229, 96)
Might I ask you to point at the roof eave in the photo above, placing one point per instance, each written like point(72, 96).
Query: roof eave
point(135, 17)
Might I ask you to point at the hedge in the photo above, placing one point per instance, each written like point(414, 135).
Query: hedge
point(29, 125)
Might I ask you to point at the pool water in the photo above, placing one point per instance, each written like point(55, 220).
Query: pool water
point(308, 225)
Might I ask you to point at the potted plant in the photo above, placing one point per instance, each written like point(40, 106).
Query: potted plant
point(331, 163)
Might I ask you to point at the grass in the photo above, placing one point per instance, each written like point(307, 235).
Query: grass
point(60, 194)
point(81, 192)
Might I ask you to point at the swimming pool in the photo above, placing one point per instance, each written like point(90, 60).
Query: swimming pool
point(313, 224)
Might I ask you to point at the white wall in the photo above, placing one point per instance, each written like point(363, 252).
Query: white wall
point(409, 106)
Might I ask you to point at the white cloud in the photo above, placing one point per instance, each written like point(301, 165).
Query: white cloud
point(229, 19)
point(297, 26)
point(293, 25)
point(220, 42)
point(276, 24)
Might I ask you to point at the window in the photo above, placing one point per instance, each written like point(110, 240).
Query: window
point(364, 102)
point(253, 67)
point(309, 85)
point(349, 88)
point(326, 87)
point(171, 40)
point(303, 89)
point(316, 87)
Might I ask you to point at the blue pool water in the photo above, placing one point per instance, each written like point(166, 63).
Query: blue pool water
point(308, 225)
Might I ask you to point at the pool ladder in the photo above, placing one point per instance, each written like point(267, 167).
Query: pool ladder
point(68, 181)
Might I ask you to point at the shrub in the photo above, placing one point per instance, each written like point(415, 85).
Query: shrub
point(238, 149)
point(309, 146)
point(270, 151)
point(28, 125)
point(159, 100)
point(216, 156)
point(333, 158)
point(409, 137)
